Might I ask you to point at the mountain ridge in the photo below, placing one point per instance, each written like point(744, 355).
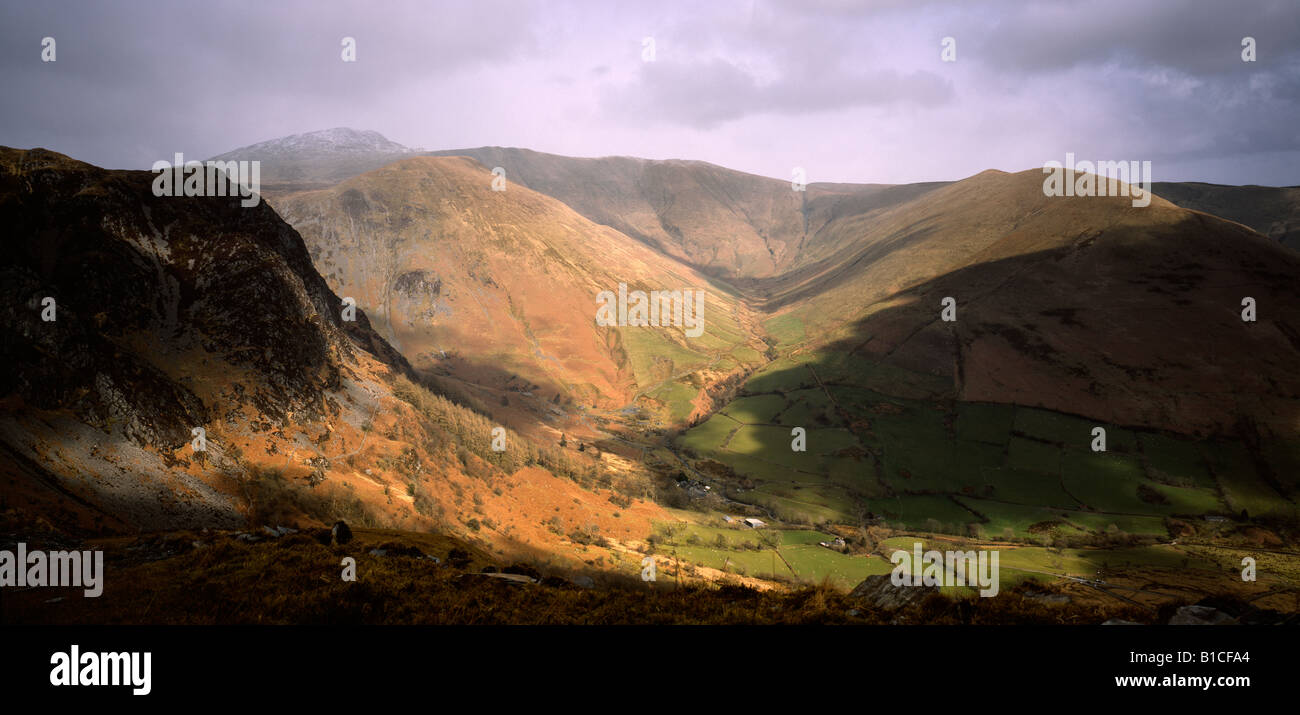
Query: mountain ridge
point(337, 140)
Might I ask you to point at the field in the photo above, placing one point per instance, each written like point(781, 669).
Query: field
point(663, 362)
point(1020, 563)
point(789, 555)
point(883, 443)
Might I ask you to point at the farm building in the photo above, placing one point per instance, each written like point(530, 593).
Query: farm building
point(754, 523)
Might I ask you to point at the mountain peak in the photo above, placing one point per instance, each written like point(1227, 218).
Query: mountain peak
point(338, 141)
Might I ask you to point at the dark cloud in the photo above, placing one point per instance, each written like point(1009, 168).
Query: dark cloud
point(1202, 39)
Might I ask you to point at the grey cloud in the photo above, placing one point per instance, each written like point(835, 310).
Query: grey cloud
point(744, 83)
point(170, 73)
point(1197, 38)
point(706, 94)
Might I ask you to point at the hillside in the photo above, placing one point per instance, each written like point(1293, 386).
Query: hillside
point(1271, 210)
point(172, 314)
point(1070, 314)
point(1048, 293)
point(727, 223)
point(498, 289)
point(179, 314)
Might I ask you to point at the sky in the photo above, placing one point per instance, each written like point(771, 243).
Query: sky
point(846, 91)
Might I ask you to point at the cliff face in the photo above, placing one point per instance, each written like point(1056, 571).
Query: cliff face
point(170, 314)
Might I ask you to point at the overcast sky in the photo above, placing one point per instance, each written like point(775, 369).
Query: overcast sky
point(850, 91)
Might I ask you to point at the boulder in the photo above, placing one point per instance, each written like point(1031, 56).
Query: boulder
point(881, 593)
point(523, 570)
point(1200, 616)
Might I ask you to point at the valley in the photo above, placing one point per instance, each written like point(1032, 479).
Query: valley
point(822, 394)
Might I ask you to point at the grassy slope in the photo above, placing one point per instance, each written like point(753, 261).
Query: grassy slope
point(164, 579)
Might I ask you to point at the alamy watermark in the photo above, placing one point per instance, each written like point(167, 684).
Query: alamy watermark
point(1102, 178)
point(90, 668)
point(31, 569)
point(946, 568)
point(210, 178)
point(658, 308)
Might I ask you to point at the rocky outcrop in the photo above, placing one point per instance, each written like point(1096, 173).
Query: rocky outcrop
point(880, 592)
point(137, 324)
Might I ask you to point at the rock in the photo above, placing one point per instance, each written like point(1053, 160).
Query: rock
point(507, 577)
point(584, 581)
point(272, 532)
point(881, 593)
point(1230, 610)
point(141, 275)
point(341, 533)
point(523, 569)
point(1200, 616)
point(1120, 622)
point(379, 552)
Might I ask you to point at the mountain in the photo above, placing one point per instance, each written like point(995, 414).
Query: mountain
point(499, 288)
point(1096, 389)
point(1069, 315)
point(1272, 210)
point(317, 159)
point(816, 262)
point(726, 223)
point(172, 315)
point(338, 141)
point(1085, 304)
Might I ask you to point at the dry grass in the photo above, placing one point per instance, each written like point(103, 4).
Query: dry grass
point(295, 579)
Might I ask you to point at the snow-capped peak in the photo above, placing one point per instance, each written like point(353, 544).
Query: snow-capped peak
point(336, 141)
